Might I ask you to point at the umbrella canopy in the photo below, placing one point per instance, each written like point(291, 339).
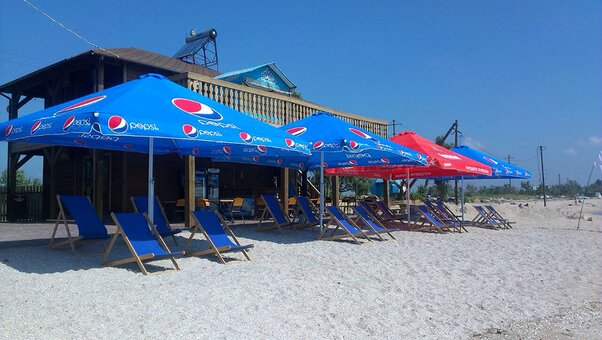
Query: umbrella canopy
point(125, 116)
point(500, 168)
point(346, 145)
point(442, 162)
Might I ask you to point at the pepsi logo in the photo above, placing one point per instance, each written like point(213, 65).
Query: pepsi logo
point(384, 160)
point(246, 137)
point(190, 131)
point(262, 149)
point(324, 164)
point(362, 134)
point(289, 142)
point(35, 127)
point(196, 109)
point(227, 151)
point(128, 146)
point(279, 161)
point(195, 151)
point(81, 104)
point(79, 141)
point(297, 131)
point(490, 160)
point(68, 123)
point(353, 145)
point(301, 165)
point(117, 124)
point(318, 145)
point(352, 162)
point(255, 159)
point(8, 131)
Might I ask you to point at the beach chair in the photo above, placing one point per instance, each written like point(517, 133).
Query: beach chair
point(446, 216)
point(499, 217)
point(304, 208)
point(236, 208)
point(431, 222)
point(274, 209)
point(391, 223)
point(142, 239)
point(342, 222)
point(214, 230)
point(140, 204)
point(89, 226)
point(371, 223)
point(387, 213)
point(484, 220)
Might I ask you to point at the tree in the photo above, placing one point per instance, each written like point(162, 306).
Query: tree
point(22, 179)
point(360, 186)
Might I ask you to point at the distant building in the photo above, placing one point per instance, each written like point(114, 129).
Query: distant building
point(266, 77)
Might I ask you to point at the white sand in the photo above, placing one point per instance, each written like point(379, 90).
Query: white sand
point(542, 279)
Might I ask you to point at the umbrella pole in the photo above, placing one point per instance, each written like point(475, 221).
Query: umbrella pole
point(462, 206)
point(151, 181)
point(408, 194)
point(321, 191)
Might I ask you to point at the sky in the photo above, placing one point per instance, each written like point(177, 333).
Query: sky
point(515, 74)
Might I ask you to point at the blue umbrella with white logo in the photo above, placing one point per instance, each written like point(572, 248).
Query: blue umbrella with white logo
point(155, 115)
point(335, 143)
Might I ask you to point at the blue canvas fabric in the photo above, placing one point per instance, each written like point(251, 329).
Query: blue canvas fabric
point(434, 220)
point(499, 168)
point(138, 233)
point(272, 203)
point(213, 227)
point(336, 213)
point(366, 218)
point(346, 145)
point(159, 220)
point(88, 223)
point(307, 211)
point(181, 121)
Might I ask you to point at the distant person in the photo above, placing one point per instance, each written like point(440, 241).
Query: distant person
point(520, 205)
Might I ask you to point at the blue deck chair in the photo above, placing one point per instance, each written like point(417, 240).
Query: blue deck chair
point(445, 215)
point(431, 222)
point(304, 208)
point(499, 216)
point(214, 231)
point(371, 223)
point(140, 204)
point(89, 226)
point(274, 209)
point(484, 220)
point(342, 222)
point(144, 245)
point(391, 223)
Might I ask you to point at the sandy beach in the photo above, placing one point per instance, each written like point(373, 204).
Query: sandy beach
point(542, 279)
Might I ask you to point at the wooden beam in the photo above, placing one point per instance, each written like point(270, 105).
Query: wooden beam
point(284, 183)
point(24, 160)
point(189, 199)
point(386, 194)
point(336, 188)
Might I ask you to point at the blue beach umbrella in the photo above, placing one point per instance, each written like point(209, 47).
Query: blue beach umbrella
point(499, 168)
point(155, 115)
point(335, 143)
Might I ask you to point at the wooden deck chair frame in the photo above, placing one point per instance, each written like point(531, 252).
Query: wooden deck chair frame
point(338, 225)
point(275, 225)
point(498, 216)
point(482, 219)
point(213, 248)
point(72, 241)
point(446, 217)
point(162, 211)
point(427, 225)
point(391, 223)
point(360, 219)
point(138, 259)
point(298, 212)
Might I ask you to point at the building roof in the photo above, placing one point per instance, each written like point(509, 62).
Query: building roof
point(240, 74)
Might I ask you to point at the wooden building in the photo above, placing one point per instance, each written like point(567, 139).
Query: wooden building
point(111, 177)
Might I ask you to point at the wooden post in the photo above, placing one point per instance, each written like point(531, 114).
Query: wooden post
point(304, 184)
point(284, 177)
point(189, 203)
point(336, 188)
point(386, 195)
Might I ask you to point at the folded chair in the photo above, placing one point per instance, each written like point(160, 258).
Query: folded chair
point(484, 220)
point(499, 217)
point(144, 245)
point(140, 204)
point(349, 228)
point(214, 231)
point(446, 216)
point(434, 223)
point(304, 208)
point(371, 223)
point(391, 223)
point(89, 226)
point(274, 209)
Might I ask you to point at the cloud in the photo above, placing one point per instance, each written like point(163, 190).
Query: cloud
point(594, 140)
point(572, 152)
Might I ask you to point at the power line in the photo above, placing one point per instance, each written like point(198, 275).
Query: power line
point(67, 28)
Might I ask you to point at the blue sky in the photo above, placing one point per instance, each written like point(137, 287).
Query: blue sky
point(515, 74)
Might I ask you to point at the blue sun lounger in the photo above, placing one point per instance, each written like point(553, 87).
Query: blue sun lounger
point(215, 232)
point(483, 219)
point(445, 215)
point(342, 222)
point(434, 223)
point(304, 206)
point(499, 217)
point(89, 226)
point(142, 240)
point(160, 220)
point(371, 223)
point(274, 209)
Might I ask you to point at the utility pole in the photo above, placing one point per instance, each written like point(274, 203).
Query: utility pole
point(394, 127)
point(543, 176)
point(558, 179)
point(509, 180)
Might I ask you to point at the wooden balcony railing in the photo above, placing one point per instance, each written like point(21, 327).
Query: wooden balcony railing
point(269, 107)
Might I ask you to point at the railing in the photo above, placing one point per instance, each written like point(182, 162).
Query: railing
point(28, 205)
point(269, 107)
